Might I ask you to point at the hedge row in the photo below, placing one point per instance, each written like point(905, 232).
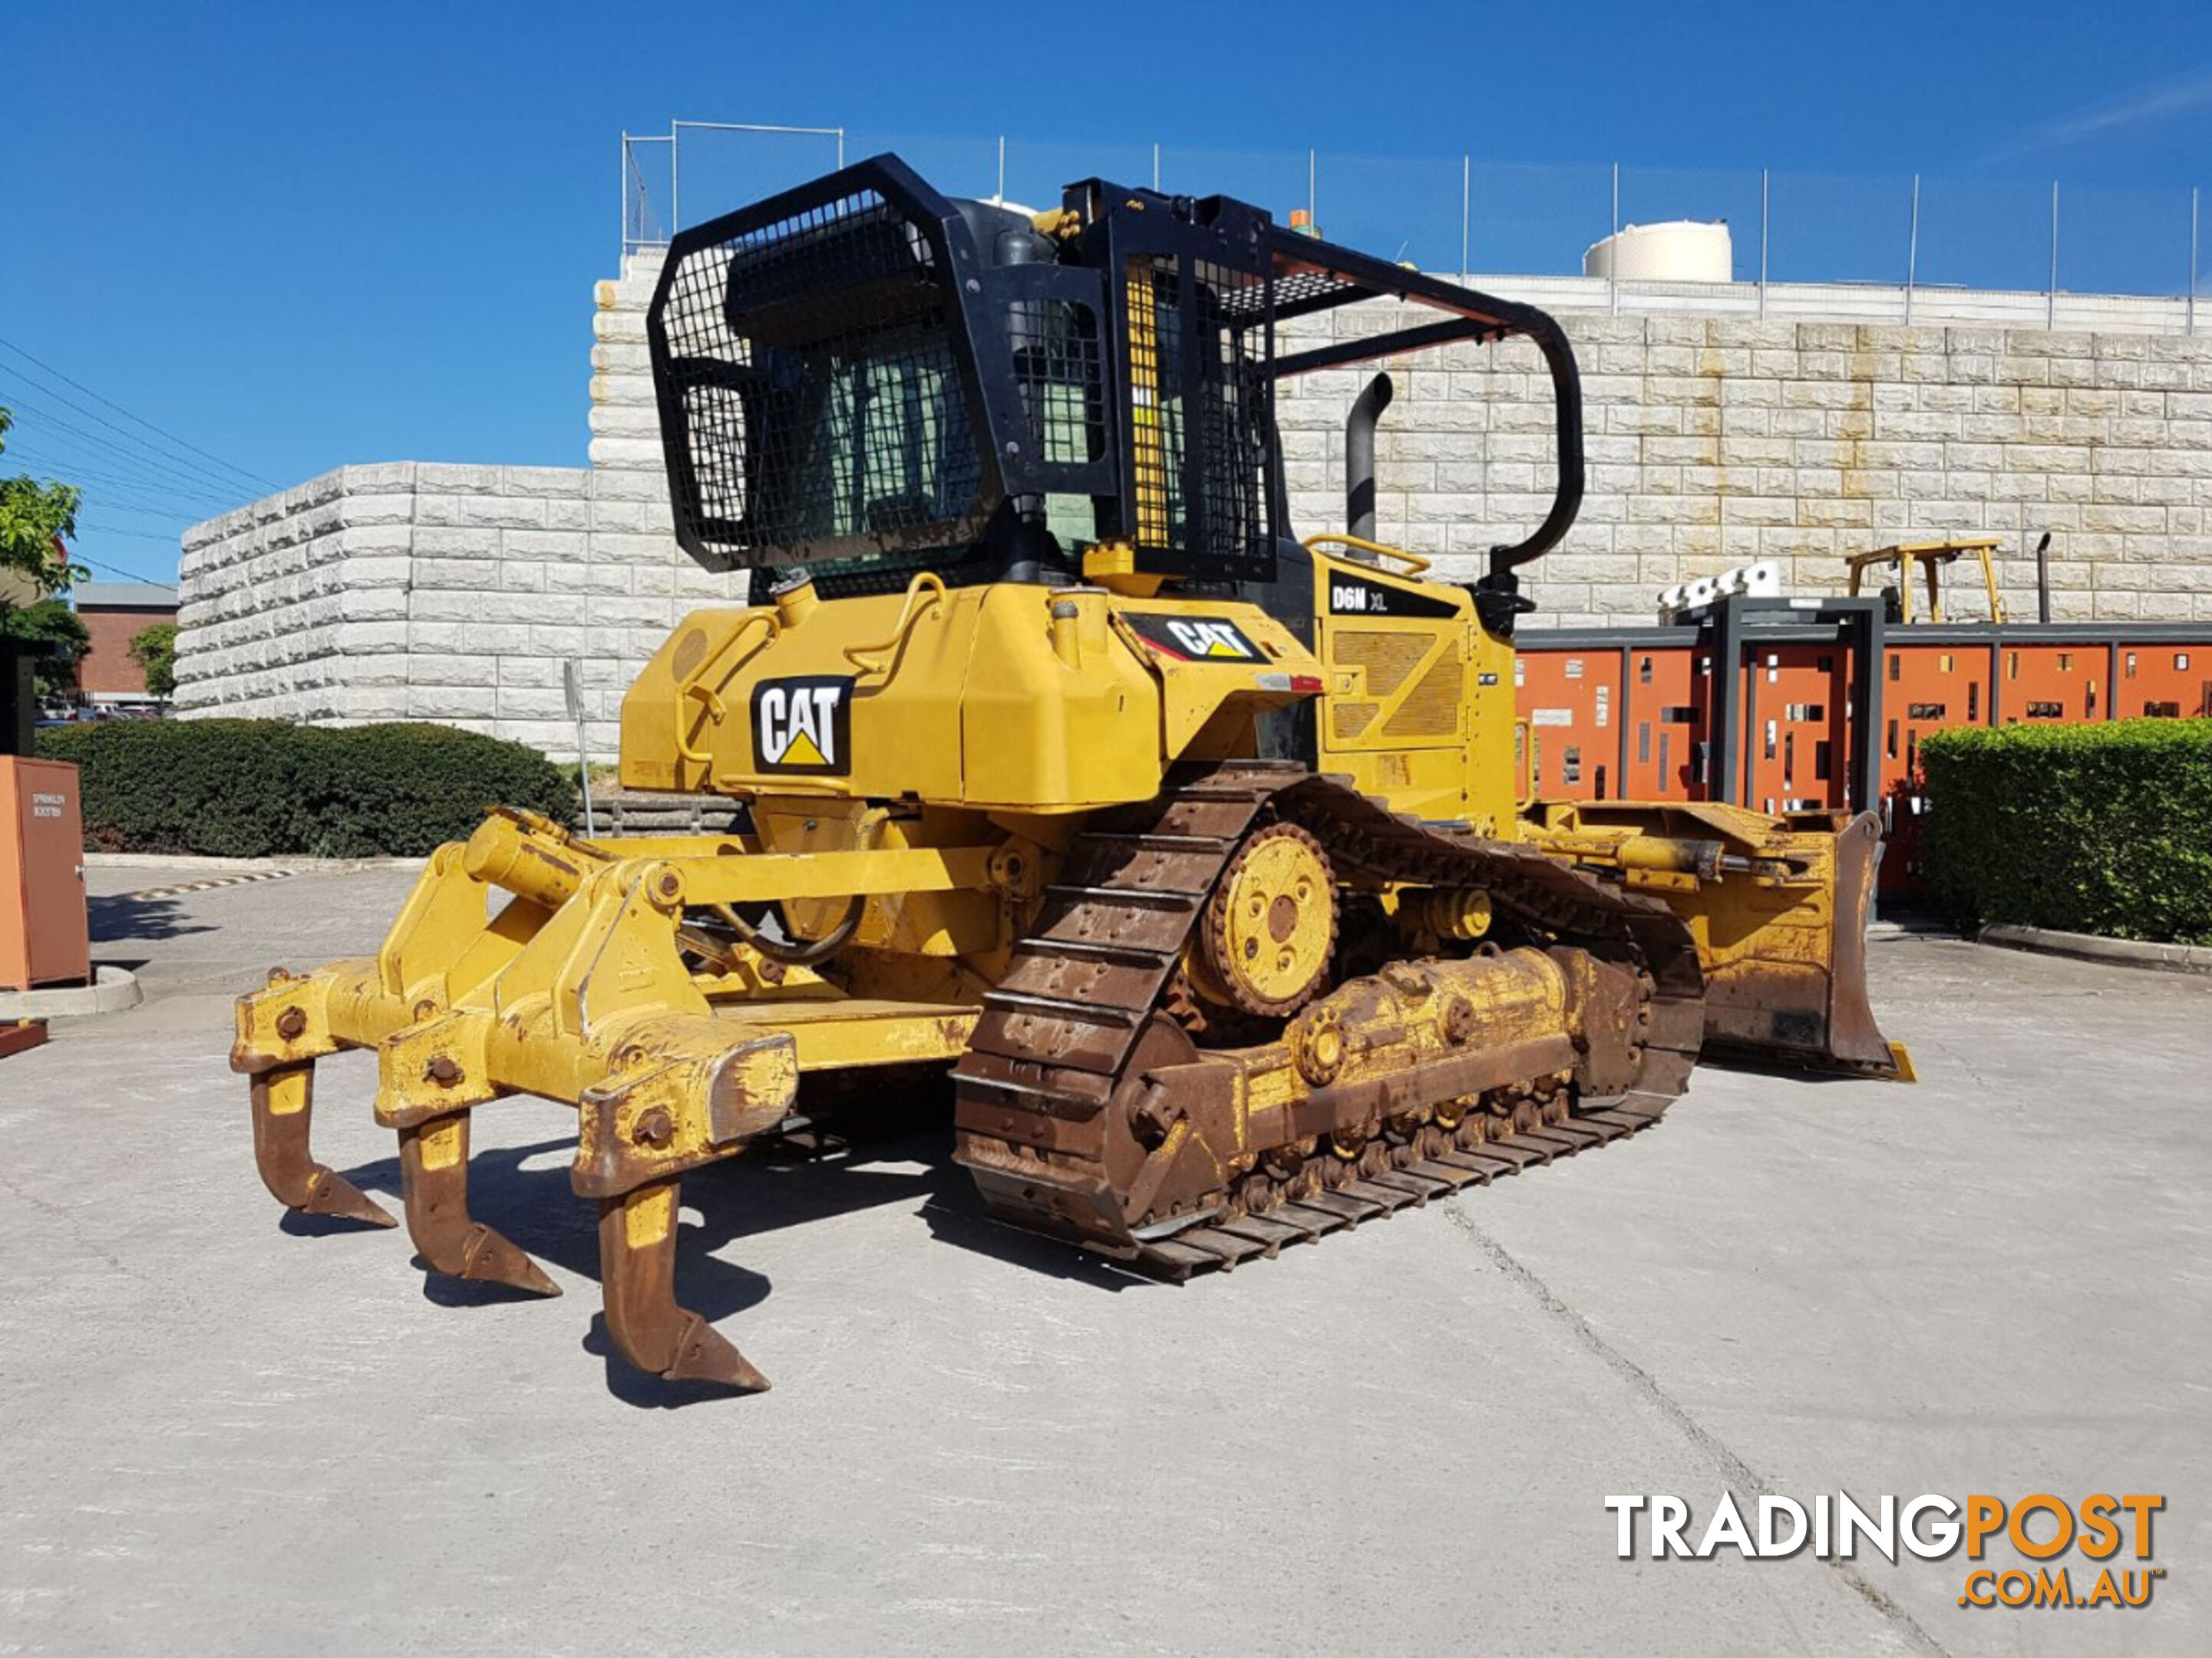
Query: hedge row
point(2103, 828)
point(260, 788)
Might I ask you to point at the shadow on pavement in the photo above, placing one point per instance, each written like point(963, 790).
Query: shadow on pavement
point(743, 1198)
point(126, 918)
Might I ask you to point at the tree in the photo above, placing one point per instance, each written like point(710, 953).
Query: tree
point(35, 519)
point(50, 622)
point(154, 649)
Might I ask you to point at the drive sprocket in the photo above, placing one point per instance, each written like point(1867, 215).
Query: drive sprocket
point(1266, 940)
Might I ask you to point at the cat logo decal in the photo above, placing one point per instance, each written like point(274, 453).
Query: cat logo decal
point(1196, 638)
point(804, 725)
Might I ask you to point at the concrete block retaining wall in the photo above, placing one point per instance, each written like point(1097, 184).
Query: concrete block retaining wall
point(455, 593)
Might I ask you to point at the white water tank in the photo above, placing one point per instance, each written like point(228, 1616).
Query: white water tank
point(1678, 251)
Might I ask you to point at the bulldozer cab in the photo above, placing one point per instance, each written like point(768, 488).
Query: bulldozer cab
point(874, 379)
point(1926, 560)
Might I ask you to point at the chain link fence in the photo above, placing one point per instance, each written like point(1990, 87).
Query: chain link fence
point(2086, 250)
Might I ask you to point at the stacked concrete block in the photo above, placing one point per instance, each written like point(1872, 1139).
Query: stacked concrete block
point(400, 591)
point(456, 593)
point(1713, 442)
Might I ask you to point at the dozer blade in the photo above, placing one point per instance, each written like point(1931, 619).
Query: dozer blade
point(1777, 906)
point(637, 1276)
point(1788, 985)
point(283, 1107)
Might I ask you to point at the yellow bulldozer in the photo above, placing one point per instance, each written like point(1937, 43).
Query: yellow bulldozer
point(1198, 854)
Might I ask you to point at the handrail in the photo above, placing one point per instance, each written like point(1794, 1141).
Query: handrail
point(1526, 733)
point(926, 581)
point(688, 687)
point(1364, 545)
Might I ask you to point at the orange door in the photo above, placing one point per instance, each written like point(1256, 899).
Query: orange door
point(2063, 683)
point(1799, 739)
point(2170, 682)
point(45, 936)
point(1571, 700)
point(1665, 711)
point(1930, 684)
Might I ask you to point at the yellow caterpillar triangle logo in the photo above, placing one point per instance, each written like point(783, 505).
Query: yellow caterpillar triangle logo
point(801, 752)
point(1223, 647)
point(803, 724)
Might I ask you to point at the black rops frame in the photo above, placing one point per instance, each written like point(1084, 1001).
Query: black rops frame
point(980, 297)
point(1320, 276)
point(1120, 223)
point(1471, 314)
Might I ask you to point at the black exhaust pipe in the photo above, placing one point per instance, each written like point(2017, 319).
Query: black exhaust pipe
point(2043, 578)
point(1359, 456)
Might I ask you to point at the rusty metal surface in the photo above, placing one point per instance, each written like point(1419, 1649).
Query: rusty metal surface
point(637, 1266)
point(1088, 1113)
point(434, 1176)
point(20, 1035)
point(1811, 1014)
point(283, 1109)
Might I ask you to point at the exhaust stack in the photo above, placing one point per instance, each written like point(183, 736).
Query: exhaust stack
point(1359, 456)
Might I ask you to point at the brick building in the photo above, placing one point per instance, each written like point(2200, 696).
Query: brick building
point(114, 613)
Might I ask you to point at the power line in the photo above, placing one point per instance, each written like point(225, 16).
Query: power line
point(172, 516)
point(143, 486)
point(107, 448)
point(100, 489)
point(182, 472)
point(117, 570)
point(253, 477)
point(138, 535)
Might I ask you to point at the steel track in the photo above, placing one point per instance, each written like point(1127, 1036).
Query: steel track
point(1060, 1037)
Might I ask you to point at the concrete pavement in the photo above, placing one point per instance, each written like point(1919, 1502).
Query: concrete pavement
point(228, 1431)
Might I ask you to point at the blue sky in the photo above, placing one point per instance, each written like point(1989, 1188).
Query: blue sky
point(292, 236)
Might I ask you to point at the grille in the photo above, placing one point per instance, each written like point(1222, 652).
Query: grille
point(1197, 453)
point(1230, 418)
point(1388, 657)
point(1060, 372)
point(813, 384)
point(1347, 721)
point(1154, 331)
point(1431, 708)
point(1292, 292)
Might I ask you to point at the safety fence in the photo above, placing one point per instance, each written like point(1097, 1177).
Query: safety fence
point(1472, 216)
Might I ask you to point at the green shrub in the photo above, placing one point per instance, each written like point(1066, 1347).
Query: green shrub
point(260, 788)
point(2102, 828)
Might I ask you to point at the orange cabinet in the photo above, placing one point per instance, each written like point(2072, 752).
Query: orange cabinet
point(45, 935)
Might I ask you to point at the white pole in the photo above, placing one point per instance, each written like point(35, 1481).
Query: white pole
point(1002, 169)
point(1762, 242)
point(1912, 249)
point(1613, 253)
point(2051, 308)
point(1465, 215)
point(1156, 169)
point(2192, 261)
point(1313, 222)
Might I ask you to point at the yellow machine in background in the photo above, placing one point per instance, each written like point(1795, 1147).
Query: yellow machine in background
point(1199, 856)
point(1927, 559)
